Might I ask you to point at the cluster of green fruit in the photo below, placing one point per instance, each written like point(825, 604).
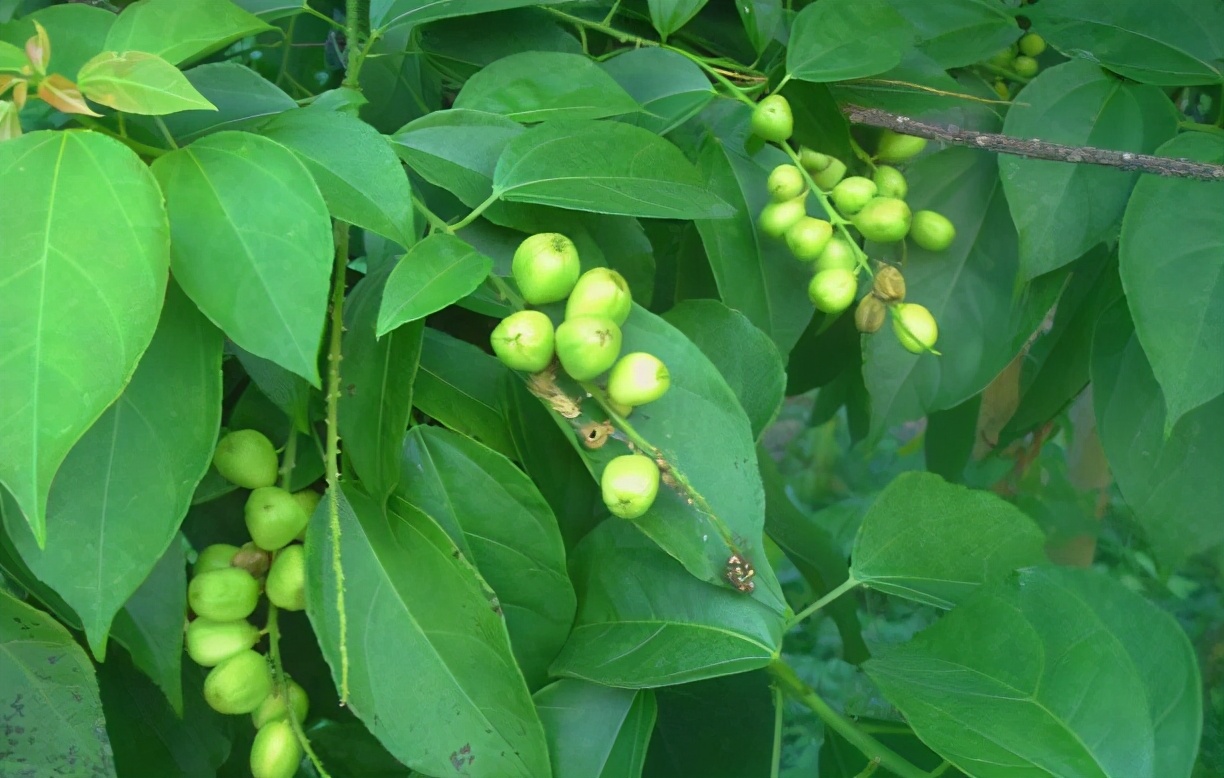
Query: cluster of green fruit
point(875, 207)
point(1019, 58)
point(547, 269)
point(225, 589)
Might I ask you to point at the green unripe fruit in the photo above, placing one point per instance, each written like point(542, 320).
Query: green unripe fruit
point(308, 500)
point(246, 458)
point(600, 292)
point(837, 255)
point(209, 643)
point(637, 379)
point(832, 291)
point(546, 267)
point(932, 231)
point(777, 218)
point(884, 220)
point(1002, 59)
point(772, 119)
point(286, 584)
point(827, 179)
point(890, 182)
point(588, 345)
point(1025, 66)
point(1032, 45)
point(215, 557)
point(808, 237)
point(851, 194)
point(524, 340)
point(915, 327)
point(273, 517)
point(223, 595)
point(895, 147)
point(785, 183)
point(869, 316)
point(629, 485)
point(239, 684)
point(274, 707)
point(1002, 90)
point(275, 751)
point(813, 161)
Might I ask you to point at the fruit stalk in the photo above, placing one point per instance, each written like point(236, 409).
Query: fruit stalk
point(281, 681)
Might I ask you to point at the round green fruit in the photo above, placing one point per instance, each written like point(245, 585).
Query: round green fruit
point(524, 340)
point(772, 119)
point(286, 584)
point(273, 517)
point(223, 595)
point(274, 707)
point(629, 485)
point(1032, 45)
point(851, 194)
point(1003, 58)
point(785, 182)
point(813, 161)
point(1025, 66)
point(826, 179)
point(209, 643)
point(932, 230)
point(275, 751)
point(588, 345)
point(832, 291)
point(600, 292)
point(837, 255)
point(308, 500)
point(808, 237)
point(546, 267)
point(777, 218)
point(890, 182)
point(215, 557)
point(246, 458)
point(637, 379)
point(884, 220)
point(1002, 90)
point(915, 327)
point(895, 147)
point(239, 684)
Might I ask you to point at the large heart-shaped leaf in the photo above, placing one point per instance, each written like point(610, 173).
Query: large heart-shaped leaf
point(1078, 104)
point(594, 730)
point(1085, 678)
point(1171, 257)
point(436, 272)
point(81, 288)
point(836, 40)
point(181, 30)
point(421, 628)
point(252, 244)
point(536, 86)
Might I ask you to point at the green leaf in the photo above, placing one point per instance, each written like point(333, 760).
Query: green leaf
point(271, 10)
point(359, 176)
point(457, 150)
point(951, 435)
point(1057, 671)
point(956, 33)
point(1162, 470)
point(251, 244)
point(535, 86)
point(933, 542)
point(119, 497)
point(51, 689)
point(836, 40)
point(136, 82)
point(434, 273)
point(86, 239)
point(242, 98)
point(669, 87)
point(429, 634)
point(596, 731)
point(643, 621)
point(756, 275)
point(458, 386)
point(499, 520)
point(12, 58)
point(1183, 45)
point(1171, 258)
point(380, 374)
point(390, 13)
point(182, 30)
point(150, 626)
point(398, 82)
point(819, 121)
point(761, 19)
point(1077, 104)
point(667, 16)
point(605, 167)
point(77, 32)
point(460, 47)
point(745, 356)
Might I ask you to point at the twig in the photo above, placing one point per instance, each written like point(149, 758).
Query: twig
point(1035, 149)
point(332, 461)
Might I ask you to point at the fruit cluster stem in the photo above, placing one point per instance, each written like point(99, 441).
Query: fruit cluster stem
point(341, 238)
point(282, 688)
point(831, 213)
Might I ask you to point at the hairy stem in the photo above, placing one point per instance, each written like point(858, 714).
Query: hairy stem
point(332, 460)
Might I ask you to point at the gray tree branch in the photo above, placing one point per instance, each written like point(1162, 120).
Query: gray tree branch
point(1035, 149)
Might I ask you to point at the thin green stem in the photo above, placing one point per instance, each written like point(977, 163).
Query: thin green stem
point(435, 222)
point(785, 80)
point(505, 291)
point(332, 461)
point(322, 17)
point(165, 131)
point(776, 761)
point(829, 597)
point(938, 771)
point(1211, 129)
point(870, 769)
point(1010, 75)
point(869, 746)
point(603, 27)
point(471, 217)
point(612, 12)
point(287, 48)
point(736, 91)
point(281, 679)
point(839, 223)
